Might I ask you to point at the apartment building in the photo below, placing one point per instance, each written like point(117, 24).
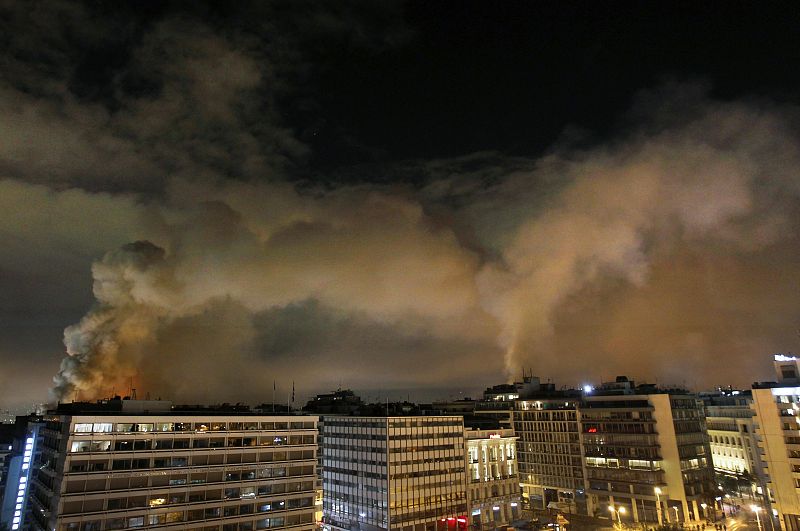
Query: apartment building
point(493, 492)
point(123, 464)
point(646, 453)
point(404, 473)
point(777, 419)
point(731, 431)
point(549, 452)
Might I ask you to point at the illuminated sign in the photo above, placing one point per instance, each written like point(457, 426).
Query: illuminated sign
point(22, 486)
point(781, 357)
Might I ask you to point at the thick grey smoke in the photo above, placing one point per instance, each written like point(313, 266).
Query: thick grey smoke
point(107, 345)
point(367, 254)
point(718, 184)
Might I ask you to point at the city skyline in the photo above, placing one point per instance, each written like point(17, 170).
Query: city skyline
point(408, 197)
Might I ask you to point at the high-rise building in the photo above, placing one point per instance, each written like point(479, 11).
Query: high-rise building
point(647, 454)
point(549, 452)
point(493, 492)
point(128, 464)
point(406, 473)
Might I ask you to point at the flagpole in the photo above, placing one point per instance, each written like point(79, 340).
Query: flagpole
point(273, 397)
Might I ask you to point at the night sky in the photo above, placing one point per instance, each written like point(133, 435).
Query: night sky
point(198, 199)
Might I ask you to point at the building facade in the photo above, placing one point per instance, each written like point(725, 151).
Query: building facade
point(646, 452)
point(549, 451)
point(210, 470)
point(493, 492)
point(404, 473)
point(777, 418)
point(731, 431)
point(14, 511)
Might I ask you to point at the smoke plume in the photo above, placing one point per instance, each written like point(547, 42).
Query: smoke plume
point(713, 176)
point(230, 260)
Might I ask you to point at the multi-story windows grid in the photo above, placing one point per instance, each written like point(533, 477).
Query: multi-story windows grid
point(413, 467)
point(125, 472)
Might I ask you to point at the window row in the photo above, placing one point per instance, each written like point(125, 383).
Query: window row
point(125, 445)
point(154, 501)
point(135, 522)
point(109, 427)
point(143, 482)
point(100, 465)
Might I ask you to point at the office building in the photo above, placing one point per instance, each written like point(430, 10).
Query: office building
point(405, 473)
point(549, 452)
point(124, 464)
point(493, 491)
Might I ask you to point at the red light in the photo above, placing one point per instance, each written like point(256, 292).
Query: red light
point(592, 430)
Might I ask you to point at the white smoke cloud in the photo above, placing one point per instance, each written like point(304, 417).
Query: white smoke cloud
point(710, 178)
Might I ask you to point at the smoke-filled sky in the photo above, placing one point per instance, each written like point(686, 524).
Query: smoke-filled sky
point(197, 200)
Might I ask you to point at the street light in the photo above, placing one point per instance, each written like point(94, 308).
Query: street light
point(657, 490)
point(619, 512)
point(756, 509)
point(705, 510)
point(675, 507)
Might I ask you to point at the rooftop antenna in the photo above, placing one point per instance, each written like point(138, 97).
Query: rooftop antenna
point(133, 393)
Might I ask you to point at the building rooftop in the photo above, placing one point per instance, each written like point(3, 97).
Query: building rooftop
point(124, 406)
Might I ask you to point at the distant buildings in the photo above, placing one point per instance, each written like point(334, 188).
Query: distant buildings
point(339, 402)
point(132, 464)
